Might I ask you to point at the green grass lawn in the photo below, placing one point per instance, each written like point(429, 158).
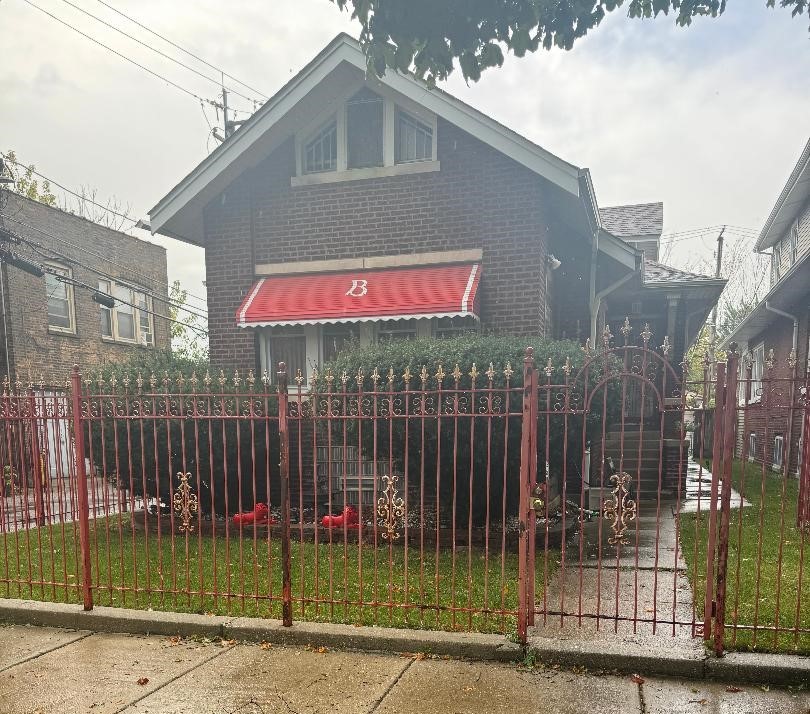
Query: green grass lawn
point(131, 570)
point(763, 528)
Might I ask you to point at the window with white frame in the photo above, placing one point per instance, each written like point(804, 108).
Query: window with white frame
point(414, 139)
point(59, 292)
point(778, 451)
point(393, 330)
point(444, 327)
point(369, 134)
point(320, 152)
point(752, 446)
point(336, 338)
point(131, 317)
point(776, 259)
point(288, 345)
point(794, 241)
point(757, 371)
point(364, 130)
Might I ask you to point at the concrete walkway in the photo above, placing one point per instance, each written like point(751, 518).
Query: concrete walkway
point(53, 670)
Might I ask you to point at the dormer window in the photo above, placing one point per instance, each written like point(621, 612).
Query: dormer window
point(369, 135)
point(320, 152)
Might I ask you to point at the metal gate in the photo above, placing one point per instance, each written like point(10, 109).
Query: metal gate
point(548, 500)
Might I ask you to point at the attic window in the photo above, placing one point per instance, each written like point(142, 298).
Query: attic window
point(414, 139)
point(364, 130)
point(320, 152)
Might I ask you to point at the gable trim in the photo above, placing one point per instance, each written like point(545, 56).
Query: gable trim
point(346, 49)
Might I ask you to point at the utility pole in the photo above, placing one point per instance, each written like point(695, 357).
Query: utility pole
point(229, 125)
point(717, 272)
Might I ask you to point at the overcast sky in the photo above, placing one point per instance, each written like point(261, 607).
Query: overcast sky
point(709, 119)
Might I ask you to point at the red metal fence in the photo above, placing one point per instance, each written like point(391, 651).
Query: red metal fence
point(564, 498)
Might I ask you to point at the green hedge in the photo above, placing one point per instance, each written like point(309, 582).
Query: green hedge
point(455, 450)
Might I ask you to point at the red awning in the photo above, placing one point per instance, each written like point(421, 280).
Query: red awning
point(362, 295)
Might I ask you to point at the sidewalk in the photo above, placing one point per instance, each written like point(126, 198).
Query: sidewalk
point(52, 670)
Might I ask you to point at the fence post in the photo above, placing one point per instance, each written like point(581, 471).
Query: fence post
point(717, 452)
point(284, 474)
point(729, 430)
point(527, 450)
point(81, 486)
point(36, 460)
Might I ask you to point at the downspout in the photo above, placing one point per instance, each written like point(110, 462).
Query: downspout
point(601, 295)
point(794, 353)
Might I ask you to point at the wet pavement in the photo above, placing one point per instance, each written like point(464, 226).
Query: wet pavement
point(45, 670)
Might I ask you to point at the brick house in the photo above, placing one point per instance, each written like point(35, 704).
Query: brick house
point(51, 321)
point(769, 431)
point(350, 207)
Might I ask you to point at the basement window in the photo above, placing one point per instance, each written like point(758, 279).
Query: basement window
point(778, 452)
point(752, 446)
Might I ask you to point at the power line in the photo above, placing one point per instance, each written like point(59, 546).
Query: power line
point(154, 49)
point(97, 255)
point(118, 54)
point(71, 245)
point(182, 49)
point(47, 253)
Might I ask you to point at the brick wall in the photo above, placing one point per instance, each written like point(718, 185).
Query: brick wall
point(771, 416)
point(34, 351)
point(479, 199)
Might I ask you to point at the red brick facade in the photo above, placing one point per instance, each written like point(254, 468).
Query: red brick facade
point(479, 199)
point(88, 249)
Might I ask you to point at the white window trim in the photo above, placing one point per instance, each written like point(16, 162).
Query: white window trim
point(774, 465)
point(389, 167)
point(71, 298)
point(756, 384)
point(115, 337)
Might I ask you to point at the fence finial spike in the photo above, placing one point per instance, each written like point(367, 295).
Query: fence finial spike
point(456, 373)
point(665, 348)
point(251, 378)
point(423, 375)
point(549, 368)
point(406, 375)
point(299, 377)
point(626, 329)
point(360, 377)
point(770, 361)
point(646, 334)
point(791, 360)
point(508, 371)
point(586, 348)
point(440, 374)
point(344, 379)
point(607, 336)
point(391, 377)
point(473, 373)
point(490, 372)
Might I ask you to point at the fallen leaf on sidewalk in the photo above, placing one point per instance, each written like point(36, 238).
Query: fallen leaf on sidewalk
point(636, 679)
point(174, 641)
point(143, 680)
point(266, 645)
point(731, 688)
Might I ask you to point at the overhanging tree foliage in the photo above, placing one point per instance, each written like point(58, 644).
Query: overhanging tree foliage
point(426, 37)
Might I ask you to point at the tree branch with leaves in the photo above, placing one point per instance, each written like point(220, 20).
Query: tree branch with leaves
point(428, 37)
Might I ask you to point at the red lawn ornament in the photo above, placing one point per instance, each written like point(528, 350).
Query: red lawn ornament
point(260, 515)
point(349, 518)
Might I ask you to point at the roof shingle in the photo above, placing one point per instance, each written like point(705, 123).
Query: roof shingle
point(639, 219)
point(660, 274)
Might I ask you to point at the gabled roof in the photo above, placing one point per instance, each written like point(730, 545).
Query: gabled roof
point(639, 219)
point(794, 195)
point(249, 145)
point(659, 274)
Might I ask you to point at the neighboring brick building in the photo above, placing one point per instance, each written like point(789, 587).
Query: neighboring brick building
point(770, 432)
point(354, 208)
point(51, 322)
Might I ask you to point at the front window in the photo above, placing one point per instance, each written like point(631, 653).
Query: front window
point(414, 139)
point(131, 318)
point(364, 130)
point(336, 338)
point(454, 326)
point(393, 330)
point(289, 345)
point(59, 292)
